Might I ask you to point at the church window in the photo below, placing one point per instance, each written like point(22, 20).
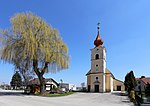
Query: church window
point(96, 78)
point(97, 56)
point(96, 67)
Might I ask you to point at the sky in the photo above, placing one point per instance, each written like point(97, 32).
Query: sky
point(124, 28)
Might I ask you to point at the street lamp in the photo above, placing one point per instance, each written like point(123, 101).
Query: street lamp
point(61, 81)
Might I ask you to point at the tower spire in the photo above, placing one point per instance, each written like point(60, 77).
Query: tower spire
point(98, 41)
point(98, 26)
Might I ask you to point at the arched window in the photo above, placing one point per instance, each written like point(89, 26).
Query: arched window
point(96, 78)
point(97, 56)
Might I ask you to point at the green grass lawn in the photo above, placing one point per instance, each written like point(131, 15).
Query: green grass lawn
point(56, 94)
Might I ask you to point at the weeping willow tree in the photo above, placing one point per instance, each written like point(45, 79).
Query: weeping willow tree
point(24, 67)
point(31, 39)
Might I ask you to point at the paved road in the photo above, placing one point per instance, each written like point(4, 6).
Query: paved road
point(79, 99)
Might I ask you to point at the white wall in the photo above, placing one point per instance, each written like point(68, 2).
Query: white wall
point(72, 87)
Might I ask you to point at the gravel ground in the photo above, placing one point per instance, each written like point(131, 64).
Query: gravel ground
point(15, 98)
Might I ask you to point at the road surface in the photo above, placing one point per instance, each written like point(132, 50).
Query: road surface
point(15, 98)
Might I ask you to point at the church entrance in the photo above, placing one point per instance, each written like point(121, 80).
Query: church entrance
point(96, 88)
point(89, 87)
point(118, 88)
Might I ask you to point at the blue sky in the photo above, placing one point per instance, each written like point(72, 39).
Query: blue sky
point(125, 29)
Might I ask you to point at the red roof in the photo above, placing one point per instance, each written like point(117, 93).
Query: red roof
point(145, 80)
point(36, 81)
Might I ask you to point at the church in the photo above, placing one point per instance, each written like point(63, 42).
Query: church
point(99, 78)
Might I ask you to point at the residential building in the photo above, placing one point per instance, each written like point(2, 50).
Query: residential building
point(67, 86)
point(49, 83)
point(142, 83)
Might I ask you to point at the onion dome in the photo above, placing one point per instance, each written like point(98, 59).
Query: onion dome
point(98, 41)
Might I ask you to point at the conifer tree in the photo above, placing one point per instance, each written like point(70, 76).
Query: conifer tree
point(130, 81)
point(16, 80)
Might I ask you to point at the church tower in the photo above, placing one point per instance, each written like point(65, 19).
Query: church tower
point(96, 75)
point(99, 78)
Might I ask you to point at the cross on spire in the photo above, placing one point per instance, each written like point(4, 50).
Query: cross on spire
point(98, 25)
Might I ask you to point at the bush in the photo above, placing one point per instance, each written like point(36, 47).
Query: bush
point(147, 90)
point(132, 96)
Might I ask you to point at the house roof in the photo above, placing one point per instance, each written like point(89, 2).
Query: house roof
point(119, 80)
point(106, 72)
point(145, 80)
point(36, 81)
point(89, 72)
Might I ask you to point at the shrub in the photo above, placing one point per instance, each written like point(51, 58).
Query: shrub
point(132, 96)
point(147, 90)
